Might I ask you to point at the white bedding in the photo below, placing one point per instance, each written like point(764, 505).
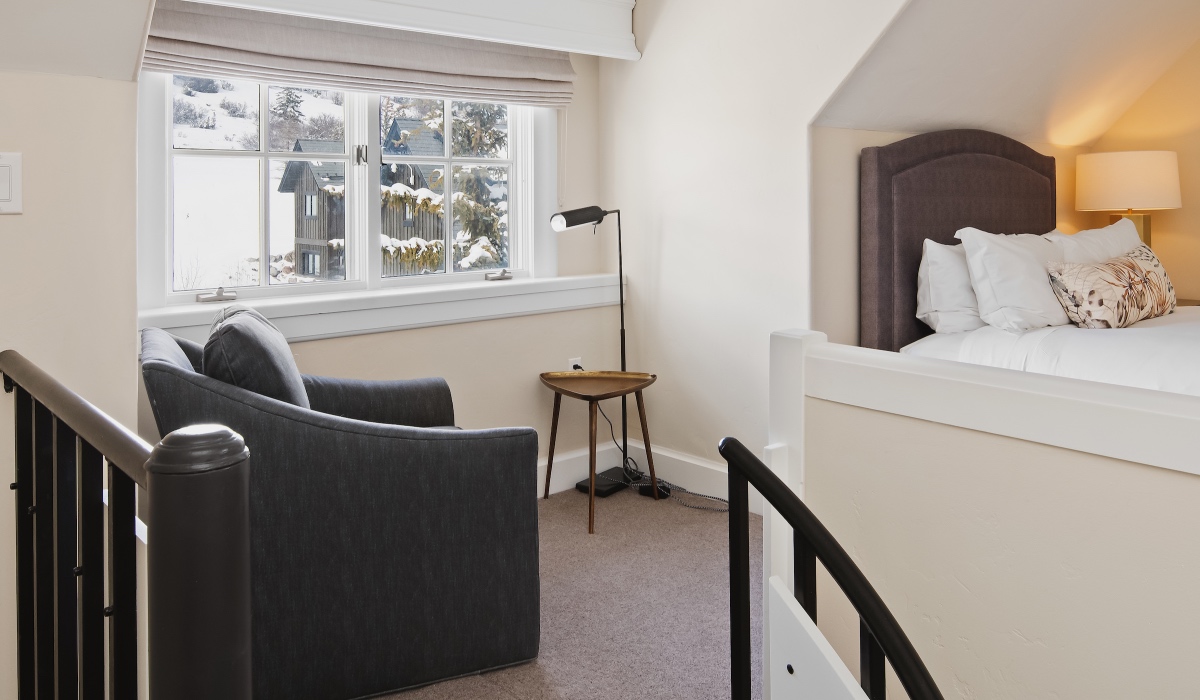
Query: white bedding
point(1160, 353)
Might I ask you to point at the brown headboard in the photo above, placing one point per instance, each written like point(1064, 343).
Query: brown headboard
point(929, 186)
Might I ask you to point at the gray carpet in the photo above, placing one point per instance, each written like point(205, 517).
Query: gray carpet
point(638, 610)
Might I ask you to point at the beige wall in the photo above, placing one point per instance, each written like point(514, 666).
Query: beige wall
point(835, 158)
point(67, 287)
point(492, 366)
point(579, 182)
point(704, 148)
point(1167, 117)
point(1018, 570)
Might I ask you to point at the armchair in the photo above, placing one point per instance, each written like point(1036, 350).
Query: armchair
point(388, 549)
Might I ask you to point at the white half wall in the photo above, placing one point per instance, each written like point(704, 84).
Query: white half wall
point(1017, 569)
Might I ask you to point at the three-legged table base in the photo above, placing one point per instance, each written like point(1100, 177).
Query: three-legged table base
point(594, 387)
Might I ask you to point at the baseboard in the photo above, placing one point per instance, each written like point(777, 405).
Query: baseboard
point(689, 471)
point(572, 465)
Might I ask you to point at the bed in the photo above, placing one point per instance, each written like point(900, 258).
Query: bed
point(1025, 529)
point(929, 187)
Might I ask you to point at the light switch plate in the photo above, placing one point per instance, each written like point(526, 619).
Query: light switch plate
point(10, 183)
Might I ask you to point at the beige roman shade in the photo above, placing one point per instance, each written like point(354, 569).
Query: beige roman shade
point(197, 39)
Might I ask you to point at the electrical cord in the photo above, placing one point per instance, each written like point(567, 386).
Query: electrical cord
point(636, 477)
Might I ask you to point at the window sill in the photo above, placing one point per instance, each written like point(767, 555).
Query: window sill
point(313, 317)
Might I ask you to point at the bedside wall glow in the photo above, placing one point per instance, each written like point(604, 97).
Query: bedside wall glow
point(1128, 180)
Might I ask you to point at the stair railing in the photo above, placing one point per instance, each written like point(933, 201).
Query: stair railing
point(880, 636)
point(76, 564)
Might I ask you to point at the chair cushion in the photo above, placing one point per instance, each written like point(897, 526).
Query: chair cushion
point(160, 346)
point(246, 350)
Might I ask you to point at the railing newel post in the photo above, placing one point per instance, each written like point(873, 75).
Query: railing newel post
point(739, 584)
point(198, 565)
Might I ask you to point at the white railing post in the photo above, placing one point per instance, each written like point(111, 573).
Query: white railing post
point(786, 429)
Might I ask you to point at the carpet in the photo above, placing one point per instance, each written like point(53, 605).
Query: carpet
point(638, 610)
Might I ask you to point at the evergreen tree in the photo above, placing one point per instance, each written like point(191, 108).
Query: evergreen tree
point(480, 130)
point(481, 216)
point(287, 105)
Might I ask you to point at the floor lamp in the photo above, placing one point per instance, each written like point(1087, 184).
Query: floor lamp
point(594, 215)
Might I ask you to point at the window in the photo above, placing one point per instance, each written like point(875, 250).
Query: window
point(310, 262)
point(269, 188)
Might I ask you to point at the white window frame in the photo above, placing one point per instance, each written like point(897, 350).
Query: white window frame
point(370, 303)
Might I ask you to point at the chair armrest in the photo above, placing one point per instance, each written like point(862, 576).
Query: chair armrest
point(417, 402)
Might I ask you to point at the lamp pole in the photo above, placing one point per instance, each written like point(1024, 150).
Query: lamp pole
point(621, 291)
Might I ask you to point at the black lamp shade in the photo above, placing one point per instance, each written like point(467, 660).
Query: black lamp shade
point(576, 217)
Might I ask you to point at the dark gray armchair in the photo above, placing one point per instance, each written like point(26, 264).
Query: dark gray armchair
point(388, 549)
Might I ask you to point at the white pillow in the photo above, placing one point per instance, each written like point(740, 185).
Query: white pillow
point(1008, 274)
point(945, 300)
point(1098, 244)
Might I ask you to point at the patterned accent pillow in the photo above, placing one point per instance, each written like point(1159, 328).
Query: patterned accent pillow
point(1115, 293)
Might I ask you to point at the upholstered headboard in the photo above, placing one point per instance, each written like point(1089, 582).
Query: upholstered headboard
point(929, 186)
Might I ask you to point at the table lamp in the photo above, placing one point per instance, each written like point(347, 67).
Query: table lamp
point(594, 215)
point(1128, 180)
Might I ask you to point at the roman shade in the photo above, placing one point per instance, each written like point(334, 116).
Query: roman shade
point(196, 39)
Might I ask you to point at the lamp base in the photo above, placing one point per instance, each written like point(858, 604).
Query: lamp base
point(608, 482)
point(1141, 221)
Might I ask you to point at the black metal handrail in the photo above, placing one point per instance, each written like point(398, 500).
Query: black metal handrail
point(118, 444)
point(71, 642)
point(881, 637)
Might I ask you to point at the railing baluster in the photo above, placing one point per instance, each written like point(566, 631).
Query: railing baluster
point(739, 585)
point(65, 557)
point(91, 558)
point(43, 528)
point(805, 563)
point(871, 658)
point(26, 625)
point(122, 586)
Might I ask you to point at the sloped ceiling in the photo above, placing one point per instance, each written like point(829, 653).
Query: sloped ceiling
point(1054, 71)
point(99, 38)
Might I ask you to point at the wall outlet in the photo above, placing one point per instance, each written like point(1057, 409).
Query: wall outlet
point(574, 361)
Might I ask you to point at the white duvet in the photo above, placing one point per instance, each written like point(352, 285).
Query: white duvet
point(1160, 353)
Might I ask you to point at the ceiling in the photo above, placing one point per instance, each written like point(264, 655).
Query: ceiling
point(1054, 71)
point(100, 38)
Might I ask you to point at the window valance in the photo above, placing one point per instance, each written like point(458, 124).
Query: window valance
point(213, 41)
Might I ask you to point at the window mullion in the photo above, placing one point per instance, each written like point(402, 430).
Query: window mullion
point(368, 202)
point(448, 188)
point(264, 202)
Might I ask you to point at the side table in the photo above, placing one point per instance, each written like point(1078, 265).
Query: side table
point(594, 387)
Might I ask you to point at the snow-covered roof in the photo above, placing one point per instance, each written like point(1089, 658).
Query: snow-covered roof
point(412, 137)
point(327, 174)
point(317, 146)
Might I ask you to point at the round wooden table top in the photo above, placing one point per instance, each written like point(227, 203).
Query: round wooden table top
point(596, 386)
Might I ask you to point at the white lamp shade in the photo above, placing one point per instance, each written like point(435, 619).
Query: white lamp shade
point(1127, 180)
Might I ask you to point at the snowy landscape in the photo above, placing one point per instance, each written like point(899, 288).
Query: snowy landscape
point(218, 200)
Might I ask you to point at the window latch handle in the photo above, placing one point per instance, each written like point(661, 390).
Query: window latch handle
point(360, 155)
point(219, 295)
